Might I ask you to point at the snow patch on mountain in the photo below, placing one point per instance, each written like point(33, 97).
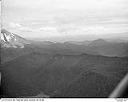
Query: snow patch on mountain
point(9, 39)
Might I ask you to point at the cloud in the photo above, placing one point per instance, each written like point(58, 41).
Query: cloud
point(27, 28)
point(47, 29)
point(14, 25)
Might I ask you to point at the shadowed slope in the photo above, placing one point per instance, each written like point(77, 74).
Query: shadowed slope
point(54, 74)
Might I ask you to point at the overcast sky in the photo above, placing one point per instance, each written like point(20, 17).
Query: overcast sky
point(66, 19)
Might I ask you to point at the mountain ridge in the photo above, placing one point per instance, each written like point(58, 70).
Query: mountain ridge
point(9, 39)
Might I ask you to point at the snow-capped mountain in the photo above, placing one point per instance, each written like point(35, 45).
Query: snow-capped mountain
point(9, 39)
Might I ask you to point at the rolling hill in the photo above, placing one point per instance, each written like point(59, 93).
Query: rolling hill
point(54, 75)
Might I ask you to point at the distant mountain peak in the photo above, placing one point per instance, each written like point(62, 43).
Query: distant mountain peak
point(9, 39)
point(98, 42)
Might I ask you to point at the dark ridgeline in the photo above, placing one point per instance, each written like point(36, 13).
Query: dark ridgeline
point(70, 69)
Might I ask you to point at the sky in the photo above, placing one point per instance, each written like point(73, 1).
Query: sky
point(62, 20)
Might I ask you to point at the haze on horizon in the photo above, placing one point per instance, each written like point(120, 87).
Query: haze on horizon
point(61, 20)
